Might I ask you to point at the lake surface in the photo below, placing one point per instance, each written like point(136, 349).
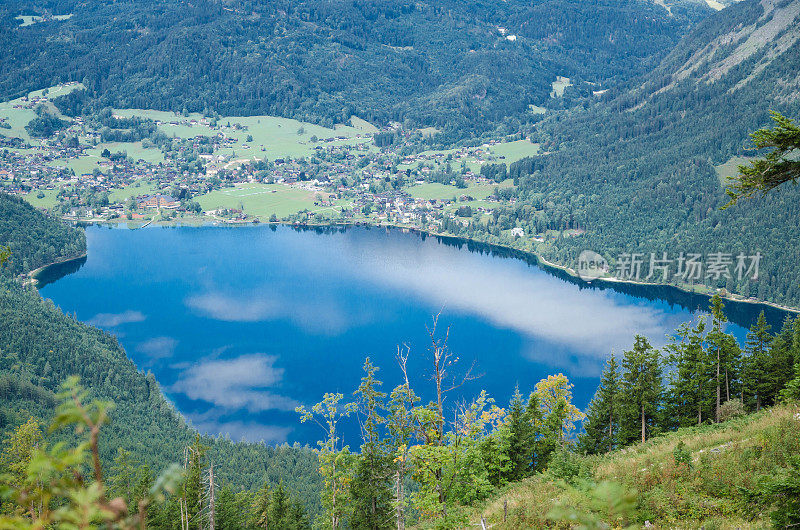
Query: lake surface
point(242, 324)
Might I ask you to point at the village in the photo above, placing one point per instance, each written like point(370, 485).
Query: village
point(124, 167)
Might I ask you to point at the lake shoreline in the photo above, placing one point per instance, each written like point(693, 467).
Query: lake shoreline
point(32, 278)
point(540, 261)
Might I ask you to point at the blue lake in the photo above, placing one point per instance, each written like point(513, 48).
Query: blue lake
point(240, 325)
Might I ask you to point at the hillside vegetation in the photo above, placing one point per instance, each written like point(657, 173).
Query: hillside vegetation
point(448, 63)
point(636, 171)
point(743, 473)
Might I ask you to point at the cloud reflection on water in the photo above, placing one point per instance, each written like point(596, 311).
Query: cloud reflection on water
point(244, 382)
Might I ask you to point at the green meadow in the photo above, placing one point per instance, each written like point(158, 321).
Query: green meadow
point(48, 201)
point(273, 137)
point(263, 200)
point(505, 152)
point(140, 187)
point(18, 118)
point(559, 85)
point(434, 190)
point(730, 168)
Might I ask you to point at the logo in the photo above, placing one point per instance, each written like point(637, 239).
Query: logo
point(591, 265)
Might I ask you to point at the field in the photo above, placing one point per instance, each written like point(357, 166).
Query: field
point(434, 190)
point(506, 152)
point(730, 168)
point(48, 201)
point(263, 200)
point(510, 152)
point(273, 137)
point(140, 187)
point(559, 85)
point(18, 118)
point(29, 20)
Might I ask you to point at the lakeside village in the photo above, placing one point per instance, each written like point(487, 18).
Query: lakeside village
point(219, 175)
point(146, 166)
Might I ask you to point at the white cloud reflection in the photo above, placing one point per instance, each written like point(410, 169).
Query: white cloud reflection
point(212, 423)
point(241, 383)
point(158, 347)
point(110, 320)
point(320, 315)
point(510, 295)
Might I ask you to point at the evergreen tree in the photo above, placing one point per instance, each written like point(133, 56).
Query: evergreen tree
point(690, 377)
point(370, 491)
point(641, 392)
point(779, 368)
point(522, 438)
point(757, 345)
point(602, 419)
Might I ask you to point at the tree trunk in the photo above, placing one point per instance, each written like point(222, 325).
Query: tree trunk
point(211, 522)
point(727, 387)
point(719, 390)
point(643, 431)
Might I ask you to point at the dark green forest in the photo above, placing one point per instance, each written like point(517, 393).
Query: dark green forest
point(636, 169)
point(445, 64)
point(32, 239)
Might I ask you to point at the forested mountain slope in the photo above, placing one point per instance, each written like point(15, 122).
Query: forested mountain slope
point(40, 347)
point(450, 64)
point(33, 239)
point(637, 169)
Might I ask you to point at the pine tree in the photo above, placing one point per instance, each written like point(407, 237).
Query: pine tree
point(757, 346)
point(371, 495)
point(780, 362)
point(641, 392)
point(716, 341)
point(602, 419)
point(691, 376)
point(522, 438)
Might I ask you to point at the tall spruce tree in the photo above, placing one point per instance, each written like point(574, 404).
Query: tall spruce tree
point(780, 362)
point(522, 438)
point(754, 377)
point(717, 341)
point(602, 416)
point(641, 392)
point(370, 491)
point(690, 377)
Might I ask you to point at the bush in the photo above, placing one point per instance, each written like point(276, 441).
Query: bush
point(731, 409)
point(681, 455)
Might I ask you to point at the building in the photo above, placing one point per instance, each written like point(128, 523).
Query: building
point(159, 201)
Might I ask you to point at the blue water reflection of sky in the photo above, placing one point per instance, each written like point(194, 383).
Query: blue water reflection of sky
point(241, 325)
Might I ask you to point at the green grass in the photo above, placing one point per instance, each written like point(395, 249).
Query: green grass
point(140, 187)
point(48, 201)
point(263, 200)
point(434, 190)
point(18, 118)
point(135, 150)
point(278, 137)
point(727, 460)
point(514, 151)
point(559, 85)
point(730, 168)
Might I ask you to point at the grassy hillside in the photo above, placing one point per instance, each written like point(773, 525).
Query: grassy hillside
point(722, 476)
